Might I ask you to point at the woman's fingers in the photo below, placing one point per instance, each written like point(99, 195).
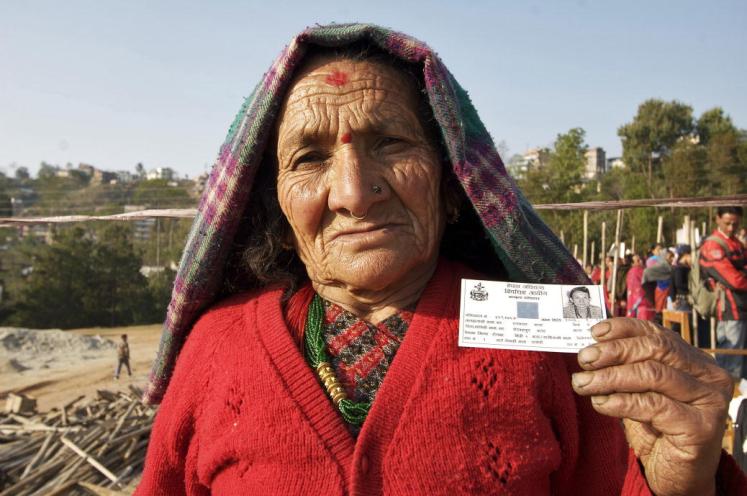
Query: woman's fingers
point(622, 327)
point(627, 341)
point(643, 377)
point(664, 414)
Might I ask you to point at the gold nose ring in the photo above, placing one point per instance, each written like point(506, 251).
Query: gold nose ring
point(356, 217)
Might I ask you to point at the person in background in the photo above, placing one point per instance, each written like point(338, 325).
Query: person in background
point(638, 303)
point(654, 254)
point(123, 357)
point(723, 258)
point(742, 236)
point(656, 278)
point(680, 278)
point(589, 270)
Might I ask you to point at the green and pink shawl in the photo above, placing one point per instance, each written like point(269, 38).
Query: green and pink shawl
point(525, 246)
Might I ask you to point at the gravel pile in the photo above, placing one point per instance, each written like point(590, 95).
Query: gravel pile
point(29, 349)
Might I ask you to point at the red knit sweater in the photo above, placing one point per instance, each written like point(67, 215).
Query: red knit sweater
point(245, 414)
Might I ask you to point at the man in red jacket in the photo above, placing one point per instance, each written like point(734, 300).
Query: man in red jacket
point(722, 257)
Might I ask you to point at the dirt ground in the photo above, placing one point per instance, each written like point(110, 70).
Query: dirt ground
point(77, 376)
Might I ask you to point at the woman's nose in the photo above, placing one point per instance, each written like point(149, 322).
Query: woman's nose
point(356, 184)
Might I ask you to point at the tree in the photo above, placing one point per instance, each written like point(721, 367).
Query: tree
point(22, 174)
point(47, 171)
point(84, 279)
point(722, 141)
point(140, 170)
point(684, 169)
point(649, 138)
point(559, 179)
point(714, 122)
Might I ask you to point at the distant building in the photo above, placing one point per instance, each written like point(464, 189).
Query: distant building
point(166, 173)
point(41, 232)
point(615, 163)
point(102, 177)
point(536, 157)
point(124, 176)
point(519, 165)
point(596, 163)
point(87, 169)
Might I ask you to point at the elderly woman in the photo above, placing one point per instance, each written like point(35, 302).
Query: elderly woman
point(356, 187)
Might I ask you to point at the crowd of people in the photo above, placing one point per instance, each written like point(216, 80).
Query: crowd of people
point(647, 284)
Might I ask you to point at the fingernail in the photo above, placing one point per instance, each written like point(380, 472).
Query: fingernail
point(599, 400)
point(589, 355)
point(600, 329)
point(581, 379)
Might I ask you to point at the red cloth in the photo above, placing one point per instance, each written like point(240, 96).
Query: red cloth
point(245, 414)
point(729, 269)
point(638, 305)
point(660, 299)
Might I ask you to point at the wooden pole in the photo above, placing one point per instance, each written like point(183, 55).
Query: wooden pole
point(691, 235)
point(575, 251)
point(694, 314)
point(586, 235)
point(592, 259)
point(632, 244)
point(603, 253)
point(88, 458)
point(686, 225)
point(562, 236)
point(660, 230)
point(615, 258)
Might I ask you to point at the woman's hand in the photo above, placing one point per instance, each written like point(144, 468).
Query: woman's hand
point(673, 400)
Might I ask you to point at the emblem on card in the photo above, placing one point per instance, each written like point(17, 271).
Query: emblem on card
point(478, 293)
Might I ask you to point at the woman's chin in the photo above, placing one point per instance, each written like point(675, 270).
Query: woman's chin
point(380, 270)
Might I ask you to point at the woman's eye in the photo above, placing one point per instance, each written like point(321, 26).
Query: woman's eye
point(390, 143)
point(309, 158)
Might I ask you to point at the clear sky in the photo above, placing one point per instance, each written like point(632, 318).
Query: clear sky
point(113, 83)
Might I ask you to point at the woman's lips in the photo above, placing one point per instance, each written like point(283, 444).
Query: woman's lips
point(359, 233)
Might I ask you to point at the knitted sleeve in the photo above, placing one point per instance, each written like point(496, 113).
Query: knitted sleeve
point(171, 462)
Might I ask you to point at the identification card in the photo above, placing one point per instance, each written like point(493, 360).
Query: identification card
point(525, 316)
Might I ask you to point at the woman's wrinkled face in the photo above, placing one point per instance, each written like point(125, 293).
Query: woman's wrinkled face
point(358, 179)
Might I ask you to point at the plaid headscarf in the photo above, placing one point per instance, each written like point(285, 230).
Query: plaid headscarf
point(525, 246)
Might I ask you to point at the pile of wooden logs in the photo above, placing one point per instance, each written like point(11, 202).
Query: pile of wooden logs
point(92, 447)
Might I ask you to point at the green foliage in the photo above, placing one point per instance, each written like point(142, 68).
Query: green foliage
point(22, 174)
point(83, 279)
point(157, 193)
point(560, 179)
point(160, 286)
point(714, 122)
point(649, 138)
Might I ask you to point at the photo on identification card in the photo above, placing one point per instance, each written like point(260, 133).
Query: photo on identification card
point(581, 303)
point(528, 316)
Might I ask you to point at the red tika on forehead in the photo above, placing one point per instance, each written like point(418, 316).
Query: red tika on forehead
point(336, 78)
point(346, 138)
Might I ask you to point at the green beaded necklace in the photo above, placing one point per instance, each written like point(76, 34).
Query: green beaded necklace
point(316, 353)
